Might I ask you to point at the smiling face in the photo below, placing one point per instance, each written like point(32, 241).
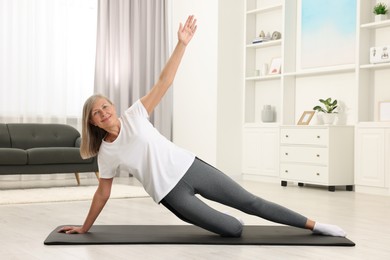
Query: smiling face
point(103, 114)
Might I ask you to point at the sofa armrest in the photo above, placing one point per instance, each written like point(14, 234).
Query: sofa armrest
point(77, 143)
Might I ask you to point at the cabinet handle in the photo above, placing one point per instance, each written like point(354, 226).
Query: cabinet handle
point(286, 154)
point(318, 174)
point(318, 136)
point(318, 155)
point(286, 171)
point(286, 136)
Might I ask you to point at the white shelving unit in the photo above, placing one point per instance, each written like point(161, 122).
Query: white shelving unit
point(261, 16)
point(279, 90)
point(260, 140)
point(372, 79)
point(281, 15)
point(372, 137)
point(358, 86)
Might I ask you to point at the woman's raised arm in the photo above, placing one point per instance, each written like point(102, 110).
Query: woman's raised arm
point(185, 33)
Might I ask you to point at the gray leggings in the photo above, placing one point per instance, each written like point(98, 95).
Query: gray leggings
point(207, 181)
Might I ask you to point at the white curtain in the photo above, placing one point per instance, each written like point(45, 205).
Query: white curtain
point(132, 48)
point(47, 56)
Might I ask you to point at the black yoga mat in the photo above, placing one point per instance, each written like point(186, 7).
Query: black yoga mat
point(187, 234)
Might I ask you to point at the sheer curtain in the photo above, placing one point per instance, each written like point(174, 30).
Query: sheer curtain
point(47, 50)
point(132, 48)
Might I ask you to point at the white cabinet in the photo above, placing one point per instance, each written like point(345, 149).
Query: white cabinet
point(372, 165)
point(370, 157)
point(260, 153)
point(321, 155)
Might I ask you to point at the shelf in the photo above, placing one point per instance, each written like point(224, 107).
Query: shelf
point(264, 44)
point(263, 78)
point(374, 124)
point(322, 71)
point(265, 9)
point(261, 125)
point(375, 25)
point(376, 66)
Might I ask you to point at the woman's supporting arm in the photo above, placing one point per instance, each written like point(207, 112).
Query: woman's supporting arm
point(99, 200)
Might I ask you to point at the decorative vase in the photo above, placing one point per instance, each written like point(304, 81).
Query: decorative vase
point(328, 118)
point(267, 114)
point(380, 17)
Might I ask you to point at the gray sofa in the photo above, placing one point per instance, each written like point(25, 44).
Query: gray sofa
point(42, 149)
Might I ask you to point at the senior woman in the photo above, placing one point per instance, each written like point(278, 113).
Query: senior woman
point(171, 175)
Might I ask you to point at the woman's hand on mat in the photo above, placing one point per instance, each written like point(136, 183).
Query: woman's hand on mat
point(72, 230)
point(186, 32)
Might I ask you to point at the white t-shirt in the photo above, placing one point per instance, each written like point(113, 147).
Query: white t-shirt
point(142, 151)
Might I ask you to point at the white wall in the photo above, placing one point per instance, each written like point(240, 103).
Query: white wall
point(195, 86)
point(230, 85)
point(207, 89)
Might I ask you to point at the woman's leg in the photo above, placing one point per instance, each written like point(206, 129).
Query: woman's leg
point(185, 205)
point(207, 181)
point(212, 184)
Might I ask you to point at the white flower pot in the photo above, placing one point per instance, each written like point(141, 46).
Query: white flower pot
point(380, 17)
point(328, 119)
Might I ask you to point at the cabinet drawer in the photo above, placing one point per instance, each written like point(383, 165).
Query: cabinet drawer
point(304, 136)
point(304, 173)
point(316, 155)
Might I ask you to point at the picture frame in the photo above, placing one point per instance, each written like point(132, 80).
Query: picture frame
point(306, 117)
point(384, 111)
point(313, 33)
point(275, 66)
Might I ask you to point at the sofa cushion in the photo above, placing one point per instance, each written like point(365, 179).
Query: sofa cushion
point(11, 156)
point(55, 155)
point(5, 141)
point(26, 136)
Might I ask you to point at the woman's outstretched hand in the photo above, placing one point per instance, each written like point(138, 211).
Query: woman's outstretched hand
point(71, 230)
point(186, 32)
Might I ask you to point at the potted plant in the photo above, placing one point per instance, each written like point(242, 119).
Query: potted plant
point(380, 11)
point(329, 110)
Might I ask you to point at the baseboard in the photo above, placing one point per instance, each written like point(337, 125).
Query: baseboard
point(268, 179)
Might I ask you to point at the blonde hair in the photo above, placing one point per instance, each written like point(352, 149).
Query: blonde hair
point(91, 135)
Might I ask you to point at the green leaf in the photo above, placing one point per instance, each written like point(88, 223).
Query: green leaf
point(330, 106)
point(380, 8)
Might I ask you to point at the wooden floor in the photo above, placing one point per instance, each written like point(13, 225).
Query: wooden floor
point(366, 218)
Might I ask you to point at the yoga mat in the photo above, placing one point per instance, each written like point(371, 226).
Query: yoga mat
point(187, 234)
